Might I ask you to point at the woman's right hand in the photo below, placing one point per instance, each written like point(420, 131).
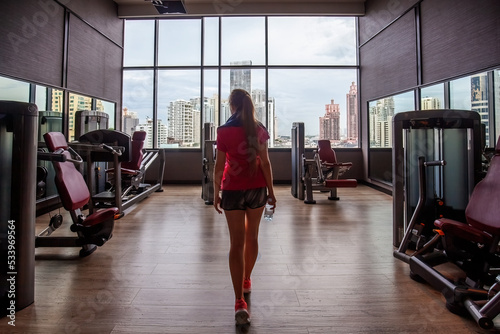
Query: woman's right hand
point(271, 200)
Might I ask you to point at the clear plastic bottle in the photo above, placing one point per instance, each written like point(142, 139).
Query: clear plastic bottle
point(268, 211)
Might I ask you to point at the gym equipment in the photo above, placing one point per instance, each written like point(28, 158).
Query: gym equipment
point(207, 192)
point(85, 122)
point(132, 155)
point(89, 120)
point(415, 238)
point(323, 171)
point(18, 142)
point(133, 172)
point(298, 135)
point(472, 246)
point(308, 175)
point(49, 121)
point(208, 163)
point(447, 135)
point(93, 230)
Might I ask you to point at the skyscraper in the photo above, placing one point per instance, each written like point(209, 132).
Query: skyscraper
point(429, 103)
point(381, 115)
point(183, 123)
point(479, 99)
point(329, 125)
point(352, 112)
point(241, 78)
point(130, 121)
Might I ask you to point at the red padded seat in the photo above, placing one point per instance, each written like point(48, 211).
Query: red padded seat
point(483, 210)
point(70, 184)
point(341, 183)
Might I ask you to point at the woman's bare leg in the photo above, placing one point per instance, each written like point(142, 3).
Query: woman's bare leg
point(252, 223)
point(236, 224)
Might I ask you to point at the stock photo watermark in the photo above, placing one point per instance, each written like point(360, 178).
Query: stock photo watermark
point(11, 272)
point(31, 25)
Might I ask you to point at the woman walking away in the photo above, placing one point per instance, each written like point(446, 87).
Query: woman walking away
point(243, 169)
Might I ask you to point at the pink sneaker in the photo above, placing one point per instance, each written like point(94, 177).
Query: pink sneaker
point(241, 316)
point(247, 285)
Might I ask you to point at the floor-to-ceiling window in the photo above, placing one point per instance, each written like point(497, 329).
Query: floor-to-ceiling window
point(178, 74)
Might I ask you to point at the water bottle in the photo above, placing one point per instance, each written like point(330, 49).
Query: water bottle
point(268, 211)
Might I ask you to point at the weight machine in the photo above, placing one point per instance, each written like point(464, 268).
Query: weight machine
point(450, 215)
point(18, 143)
point(321, 173)
point(208, 163)
point(90, 147)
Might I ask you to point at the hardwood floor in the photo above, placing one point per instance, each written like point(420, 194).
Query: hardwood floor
point(323, 268)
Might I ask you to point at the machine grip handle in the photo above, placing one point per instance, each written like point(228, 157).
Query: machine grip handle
point(110, 149)
point(48, 156)
point(435, 163)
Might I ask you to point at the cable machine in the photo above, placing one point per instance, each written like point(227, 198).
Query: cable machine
point(18, 145)
point(450, 136)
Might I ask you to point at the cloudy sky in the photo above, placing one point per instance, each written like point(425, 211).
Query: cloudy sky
point(300, 94)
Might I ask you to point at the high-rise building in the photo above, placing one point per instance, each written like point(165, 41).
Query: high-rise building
point(479, 100)
point(241, 78)
point(352, 113)
point(273, 121)
point(429, 103)
point(381, 116)
point(260, 104)
point(329, 125)
point(130, 121)
point(148, 128)
point(183, 124)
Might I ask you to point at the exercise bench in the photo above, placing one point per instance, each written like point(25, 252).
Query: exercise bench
point(323, 171)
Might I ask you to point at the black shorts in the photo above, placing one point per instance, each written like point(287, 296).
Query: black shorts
point(243, 199)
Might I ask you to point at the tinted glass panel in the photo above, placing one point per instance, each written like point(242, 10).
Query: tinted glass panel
point(432, 97)
point(301, 95)
point(380, 116)
point(139, 43)
point(243, 39)
point(179, 42)
point(179, 108)
point(312, 41)
point(14, 90)
point(138, 104)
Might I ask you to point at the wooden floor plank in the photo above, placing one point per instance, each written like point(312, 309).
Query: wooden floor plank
point(322, 268)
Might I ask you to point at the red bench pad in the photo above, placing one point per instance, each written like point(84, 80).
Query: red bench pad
point(343, 183)
point(463, 230)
